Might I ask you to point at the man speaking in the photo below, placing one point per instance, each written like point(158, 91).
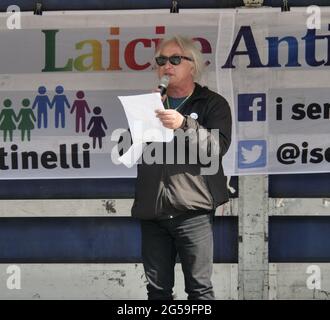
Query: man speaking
point(175, 201)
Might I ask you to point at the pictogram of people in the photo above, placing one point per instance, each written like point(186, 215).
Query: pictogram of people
point(42, 103)
point(7, 120)
point(26, 119)
point(97, 126)
point(60, 101)
point(80, 106)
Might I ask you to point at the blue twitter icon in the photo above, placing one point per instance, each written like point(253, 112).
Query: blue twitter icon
point(252, 154)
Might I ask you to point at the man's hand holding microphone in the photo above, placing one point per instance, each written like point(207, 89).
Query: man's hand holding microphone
point(170, 118)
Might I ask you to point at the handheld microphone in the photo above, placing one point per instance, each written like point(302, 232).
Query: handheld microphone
point(163, 84)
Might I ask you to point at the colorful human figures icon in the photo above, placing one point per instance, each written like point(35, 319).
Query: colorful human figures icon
point(60, 101)
point(7, 120)
point(97, 126)
point(26, 119)
point(80, 106)
point(42, 102)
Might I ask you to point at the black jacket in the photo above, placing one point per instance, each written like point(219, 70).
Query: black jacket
point(172, 189)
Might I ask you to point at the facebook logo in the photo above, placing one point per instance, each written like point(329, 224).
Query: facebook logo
point(252, 107)
point(252, 154)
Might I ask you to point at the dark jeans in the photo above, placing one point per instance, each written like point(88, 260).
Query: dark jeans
point(191, 237)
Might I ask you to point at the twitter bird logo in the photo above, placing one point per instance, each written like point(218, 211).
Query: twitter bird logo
point(252, 154)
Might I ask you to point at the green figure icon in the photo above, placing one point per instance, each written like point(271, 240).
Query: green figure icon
point(26, 119)
point(7, 120)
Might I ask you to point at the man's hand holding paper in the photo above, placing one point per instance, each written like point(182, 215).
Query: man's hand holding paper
point(144, 125)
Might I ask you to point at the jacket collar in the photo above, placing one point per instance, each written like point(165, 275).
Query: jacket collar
point(199, 92)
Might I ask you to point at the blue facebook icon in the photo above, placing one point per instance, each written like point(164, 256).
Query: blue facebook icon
point(252, 107)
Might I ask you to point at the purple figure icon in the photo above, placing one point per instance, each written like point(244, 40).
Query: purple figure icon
point(97, 130)
point(80, 106)
point(42, 102)
point(59, 102)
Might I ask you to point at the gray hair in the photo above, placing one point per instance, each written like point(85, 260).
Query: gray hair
point(189, 48)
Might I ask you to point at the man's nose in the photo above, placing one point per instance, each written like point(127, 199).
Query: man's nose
point(168, 64)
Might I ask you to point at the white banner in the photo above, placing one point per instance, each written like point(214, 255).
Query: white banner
point(60, 110)
point(61, 76)
point(275, 72)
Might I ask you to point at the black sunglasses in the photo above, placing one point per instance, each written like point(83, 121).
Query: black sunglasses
point(175, 60)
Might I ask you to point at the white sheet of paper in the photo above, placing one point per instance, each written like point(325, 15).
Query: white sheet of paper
point(143, 124)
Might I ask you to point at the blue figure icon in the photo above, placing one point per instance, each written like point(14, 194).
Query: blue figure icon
point(41, 102)
point(60, 101)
